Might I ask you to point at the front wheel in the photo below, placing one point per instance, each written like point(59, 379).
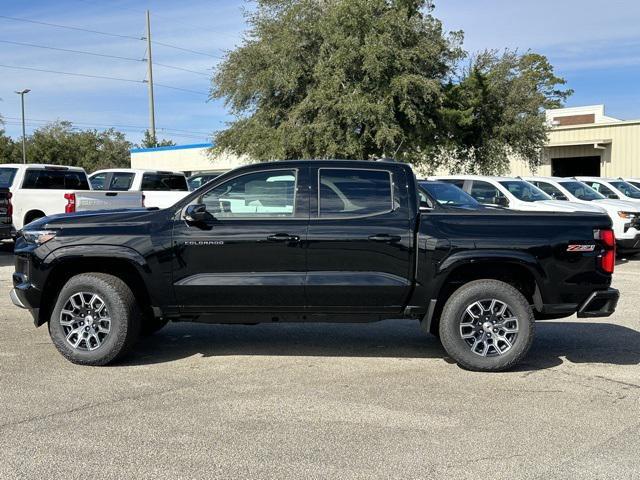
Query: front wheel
point(95, 320)
point(487, 325)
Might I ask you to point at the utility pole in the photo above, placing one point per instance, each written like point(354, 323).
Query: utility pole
point(22, 93)
point(152, 114)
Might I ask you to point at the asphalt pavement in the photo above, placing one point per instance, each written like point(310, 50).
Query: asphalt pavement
point(316, 401)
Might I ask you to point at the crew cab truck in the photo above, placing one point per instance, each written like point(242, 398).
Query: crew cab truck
point(40, 190)
point(306, 241)
point(160, 189)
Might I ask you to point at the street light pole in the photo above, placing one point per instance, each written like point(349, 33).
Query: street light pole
point(24, 133)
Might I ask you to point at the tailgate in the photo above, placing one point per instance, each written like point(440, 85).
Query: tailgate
point(97, 200)
point(5, 207)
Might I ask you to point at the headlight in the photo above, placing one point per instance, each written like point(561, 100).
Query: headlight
point(628, 215)
point(38, 237)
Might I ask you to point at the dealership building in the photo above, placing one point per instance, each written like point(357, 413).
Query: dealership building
point(585, 141)
point(581, 141)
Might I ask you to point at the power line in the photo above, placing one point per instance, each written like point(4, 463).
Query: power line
point(68, 27)
point(101, 77)
point(87, 75)
point(84, 52)
point(186, 50)
point(180, 68)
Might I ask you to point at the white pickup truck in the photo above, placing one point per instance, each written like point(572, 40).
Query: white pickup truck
point(42, 190)
point(159, 188)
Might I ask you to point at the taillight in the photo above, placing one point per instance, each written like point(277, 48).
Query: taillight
point(608, 257)
point(70, 207)
point(9, 205)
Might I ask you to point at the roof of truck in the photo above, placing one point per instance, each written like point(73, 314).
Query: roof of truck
point(41, 165)
point(137, 171)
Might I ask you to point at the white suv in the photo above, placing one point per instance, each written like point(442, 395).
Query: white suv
point(513, 193)
point(624, 214)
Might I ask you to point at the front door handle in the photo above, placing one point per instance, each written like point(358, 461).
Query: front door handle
point(283, 237)
point(384, 237)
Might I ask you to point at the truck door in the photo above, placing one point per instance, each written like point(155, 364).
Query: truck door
point(250, 256)
point(360, 240)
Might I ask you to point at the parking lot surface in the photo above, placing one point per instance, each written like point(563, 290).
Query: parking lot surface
point(323, 401)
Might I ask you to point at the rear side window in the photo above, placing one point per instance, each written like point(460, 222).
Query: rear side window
point(353, 192)
point(551, 190)
point(121, 181)
point(486, 193)
point(55, 180)
point(97, 181)
point(6, 177)
point(164, 182)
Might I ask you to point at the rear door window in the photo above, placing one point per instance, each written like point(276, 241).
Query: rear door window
point(50, 179)
point(486, 193)
point(164, 182)
point(602, 188)
point(6, 177)
point(354, 192)
point(97, 181)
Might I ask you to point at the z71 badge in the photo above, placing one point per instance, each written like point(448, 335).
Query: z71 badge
point(581, 248)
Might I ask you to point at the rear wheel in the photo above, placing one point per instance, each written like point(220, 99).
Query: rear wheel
point(487, 325)
point(95, 320)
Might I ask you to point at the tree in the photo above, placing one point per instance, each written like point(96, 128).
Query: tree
point(148, 141)
point(336, 78)
point(378, 78)
point(495, 110)
point(59, 143)
point(7, 145)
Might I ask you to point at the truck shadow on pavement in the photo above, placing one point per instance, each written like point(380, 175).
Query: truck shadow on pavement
point(555, 343)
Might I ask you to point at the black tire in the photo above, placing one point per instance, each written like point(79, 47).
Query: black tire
point(460, 349)
point(151, 325)
point(125, 319)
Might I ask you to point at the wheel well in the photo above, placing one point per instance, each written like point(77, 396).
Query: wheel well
point(66, 269)
point(515, 275)
point(32, 215)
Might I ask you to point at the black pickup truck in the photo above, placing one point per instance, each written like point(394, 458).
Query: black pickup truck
point(309, 241)
point(6, 214)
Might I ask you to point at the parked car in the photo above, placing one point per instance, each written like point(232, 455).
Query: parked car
point(41, 190)
point(448, 196)
point(160, 189)
point(6, 213)
point(633, 181)
point(625, 215)
point(199, 179)
point(613, 188)
point(314, 241)
point(512, 193)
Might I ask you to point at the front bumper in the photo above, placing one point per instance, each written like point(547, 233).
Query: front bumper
point(629, 244)
point(25, 295)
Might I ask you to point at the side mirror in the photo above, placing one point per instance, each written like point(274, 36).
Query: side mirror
point(197, 213)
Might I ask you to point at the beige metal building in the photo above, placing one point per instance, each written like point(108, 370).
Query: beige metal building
point(584, 141)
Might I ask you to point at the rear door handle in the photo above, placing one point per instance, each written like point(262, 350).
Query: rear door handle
point(384, 237)
point(283, 237)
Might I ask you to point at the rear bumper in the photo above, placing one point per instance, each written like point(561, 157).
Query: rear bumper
point(6, 231)
point(601, 303)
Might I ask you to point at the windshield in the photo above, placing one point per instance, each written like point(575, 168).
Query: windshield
point(582, 191)
point(6, 177)
point(627, 189)
point(449, 195)
point(524, 191)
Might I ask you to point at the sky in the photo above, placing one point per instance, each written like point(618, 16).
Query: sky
point(594, 45)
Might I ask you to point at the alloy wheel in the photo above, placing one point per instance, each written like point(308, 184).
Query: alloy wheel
point(85, 321)
point(489, 327)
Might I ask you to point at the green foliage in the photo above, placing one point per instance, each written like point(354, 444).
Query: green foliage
point(336, 78)
point(378, 78)
point(60, 144)
point(149, 141)
point(495, 110)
